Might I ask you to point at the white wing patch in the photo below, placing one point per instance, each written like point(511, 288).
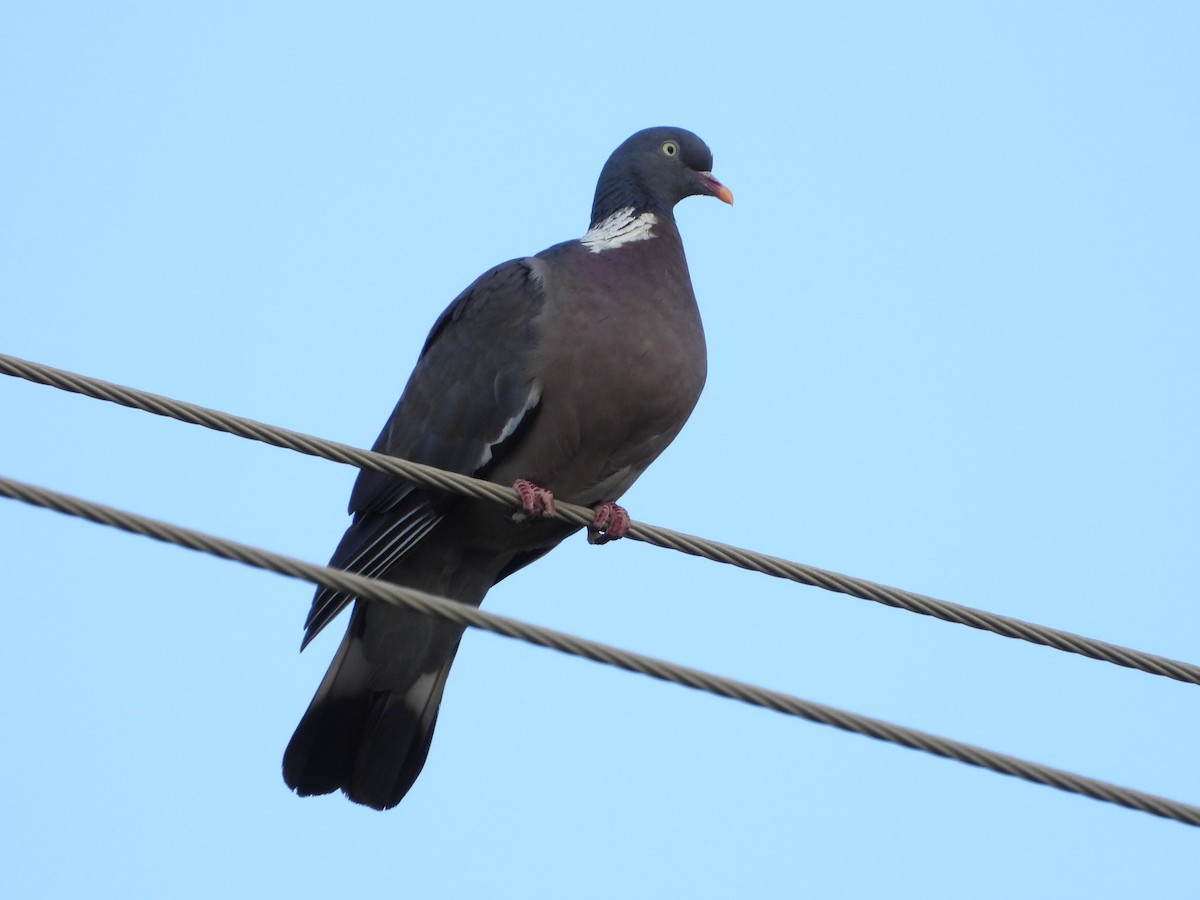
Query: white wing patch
point(531, 400)
point(621, 228)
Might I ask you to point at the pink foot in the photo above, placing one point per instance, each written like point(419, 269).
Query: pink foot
point(611, 523)
point(537, 502)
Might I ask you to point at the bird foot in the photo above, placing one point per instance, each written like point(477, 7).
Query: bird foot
point(535, 501)
point(611, 523)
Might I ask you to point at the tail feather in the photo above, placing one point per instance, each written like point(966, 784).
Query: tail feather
point(396, 741)
point(368, 739)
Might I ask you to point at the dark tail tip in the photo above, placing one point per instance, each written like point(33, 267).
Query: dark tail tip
point(373, 751)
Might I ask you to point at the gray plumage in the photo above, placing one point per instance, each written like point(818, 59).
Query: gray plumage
point(572, 369)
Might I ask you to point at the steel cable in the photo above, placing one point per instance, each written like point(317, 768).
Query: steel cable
point(462, 614)
point(429, 476)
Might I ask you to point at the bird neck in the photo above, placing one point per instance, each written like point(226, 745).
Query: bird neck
point(614, 195)
point(625, 226)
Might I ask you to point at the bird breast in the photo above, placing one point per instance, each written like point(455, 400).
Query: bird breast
point(625, 374)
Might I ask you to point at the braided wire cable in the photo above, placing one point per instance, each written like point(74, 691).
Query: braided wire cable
point(428, 476)
point(462, 614)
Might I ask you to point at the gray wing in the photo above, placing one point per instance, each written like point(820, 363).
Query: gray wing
point(473, 392)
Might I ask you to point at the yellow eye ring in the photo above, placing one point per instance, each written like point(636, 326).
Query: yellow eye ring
point(670, 148)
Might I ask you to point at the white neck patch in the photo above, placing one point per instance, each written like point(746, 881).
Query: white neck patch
point(621, 228)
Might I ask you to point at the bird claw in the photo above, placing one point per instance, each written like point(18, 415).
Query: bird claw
point(535, 501)
point(611, 523)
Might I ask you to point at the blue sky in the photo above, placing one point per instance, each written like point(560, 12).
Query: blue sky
point(952, 325)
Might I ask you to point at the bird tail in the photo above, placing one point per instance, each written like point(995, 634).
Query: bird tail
point(368, 728)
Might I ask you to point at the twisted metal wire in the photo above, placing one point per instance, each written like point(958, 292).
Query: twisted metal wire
point(428, 476)
point(461, 614)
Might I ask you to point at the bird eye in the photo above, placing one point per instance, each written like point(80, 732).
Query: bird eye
point(670, 148)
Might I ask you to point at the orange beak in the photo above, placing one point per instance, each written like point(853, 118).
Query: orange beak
point(717, 189)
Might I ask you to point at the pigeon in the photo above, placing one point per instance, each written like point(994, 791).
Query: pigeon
point(563, 374)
